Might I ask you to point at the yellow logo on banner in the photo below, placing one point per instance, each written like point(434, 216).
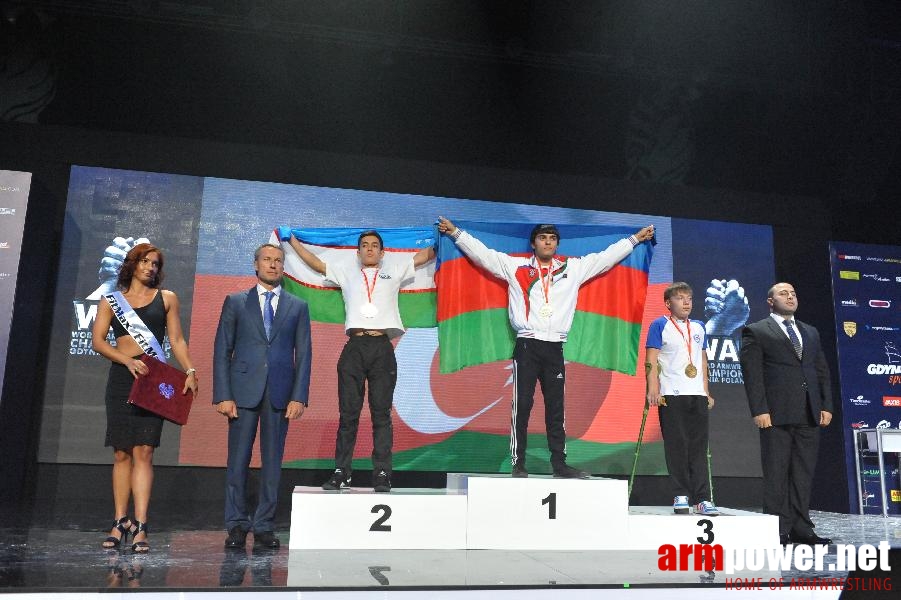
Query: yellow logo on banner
point(849, 275)
point(896, 495)
point(850, 328)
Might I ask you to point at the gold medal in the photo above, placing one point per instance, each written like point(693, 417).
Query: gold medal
point(691, 370)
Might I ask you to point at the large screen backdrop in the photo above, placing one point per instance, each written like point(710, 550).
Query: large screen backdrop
point(209, 228)
point(866, 285)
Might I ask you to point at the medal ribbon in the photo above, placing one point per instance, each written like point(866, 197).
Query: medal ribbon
point(370, 289)
point(684, 337)
point(546, 282)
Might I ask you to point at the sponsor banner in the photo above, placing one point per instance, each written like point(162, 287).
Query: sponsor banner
point(14, 188)
point(868, 338)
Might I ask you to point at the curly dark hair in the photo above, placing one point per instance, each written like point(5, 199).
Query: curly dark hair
point(134, 256)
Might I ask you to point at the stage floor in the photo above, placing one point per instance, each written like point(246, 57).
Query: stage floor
point(46, 561)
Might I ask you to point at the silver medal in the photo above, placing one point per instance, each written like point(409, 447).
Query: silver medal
point(546, 311)
point(369, 310)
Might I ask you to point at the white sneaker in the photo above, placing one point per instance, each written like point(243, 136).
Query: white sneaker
point(680, 505)
point(706, 508)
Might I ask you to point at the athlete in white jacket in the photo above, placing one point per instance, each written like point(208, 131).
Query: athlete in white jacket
point(542, 292)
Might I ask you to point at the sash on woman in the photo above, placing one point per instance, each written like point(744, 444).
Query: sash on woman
point(159, 391)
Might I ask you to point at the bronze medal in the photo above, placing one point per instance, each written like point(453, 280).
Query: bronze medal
point(691, 370)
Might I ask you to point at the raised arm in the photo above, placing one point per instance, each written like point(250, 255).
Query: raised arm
point(600, 262)
point(423, 256)
point(497, 263)
point(306, 256)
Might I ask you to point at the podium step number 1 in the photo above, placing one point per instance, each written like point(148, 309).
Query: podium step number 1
point(546, 513)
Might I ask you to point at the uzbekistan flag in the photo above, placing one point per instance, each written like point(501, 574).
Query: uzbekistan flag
point(416, 300)
point(473, 324)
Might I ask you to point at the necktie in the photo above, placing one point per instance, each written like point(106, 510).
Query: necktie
point(793, 336)
point(268, 314)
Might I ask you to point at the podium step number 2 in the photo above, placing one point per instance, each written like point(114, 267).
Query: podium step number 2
point(403, 519)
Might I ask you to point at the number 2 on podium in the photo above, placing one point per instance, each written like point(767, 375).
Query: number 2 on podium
point(379, 524)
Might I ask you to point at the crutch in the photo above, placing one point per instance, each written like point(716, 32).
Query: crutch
point(710, 475)
point(644, 418)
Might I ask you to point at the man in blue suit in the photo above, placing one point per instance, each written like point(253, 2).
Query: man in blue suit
point(261, 375)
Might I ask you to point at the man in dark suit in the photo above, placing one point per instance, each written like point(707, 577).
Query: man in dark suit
point(261, 375)
point(790, 394)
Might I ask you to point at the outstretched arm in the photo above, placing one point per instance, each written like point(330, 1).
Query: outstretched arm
point(601, 262)
point(423, 256)
point(306, 256)
point(497, 263)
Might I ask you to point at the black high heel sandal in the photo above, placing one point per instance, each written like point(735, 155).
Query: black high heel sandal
point(113, 543)
point(141, 547)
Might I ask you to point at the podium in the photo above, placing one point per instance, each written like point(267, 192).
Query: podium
point(498, 512)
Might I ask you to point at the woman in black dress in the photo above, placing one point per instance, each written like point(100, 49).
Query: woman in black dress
point(133, 432)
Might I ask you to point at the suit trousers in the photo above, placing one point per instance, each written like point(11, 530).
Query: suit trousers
point(366, 359)
point(684, 424)
point(789, 456)
point(538, 361)
point(273, 428)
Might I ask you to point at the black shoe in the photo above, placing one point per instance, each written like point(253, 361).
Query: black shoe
point(568, 472)
point(519, 471)
point(265, 539)
point(340, 480)
point(237, 537)
point(124, 527)
point(811, 540)
point(381, 482)
point(141, 547)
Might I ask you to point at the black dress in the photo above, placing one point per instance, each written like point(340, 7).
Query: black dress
point(126, 424)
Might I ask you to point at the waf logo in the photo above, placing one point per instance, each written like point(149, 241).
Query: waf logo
point(167, 391)
point(893, 401)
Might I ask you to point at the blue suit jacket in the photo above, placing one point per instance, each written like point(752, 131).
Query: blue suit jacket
point(246, 365)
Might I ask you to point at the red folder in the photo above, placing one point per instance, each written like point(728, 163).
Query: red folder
point(159, 391)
